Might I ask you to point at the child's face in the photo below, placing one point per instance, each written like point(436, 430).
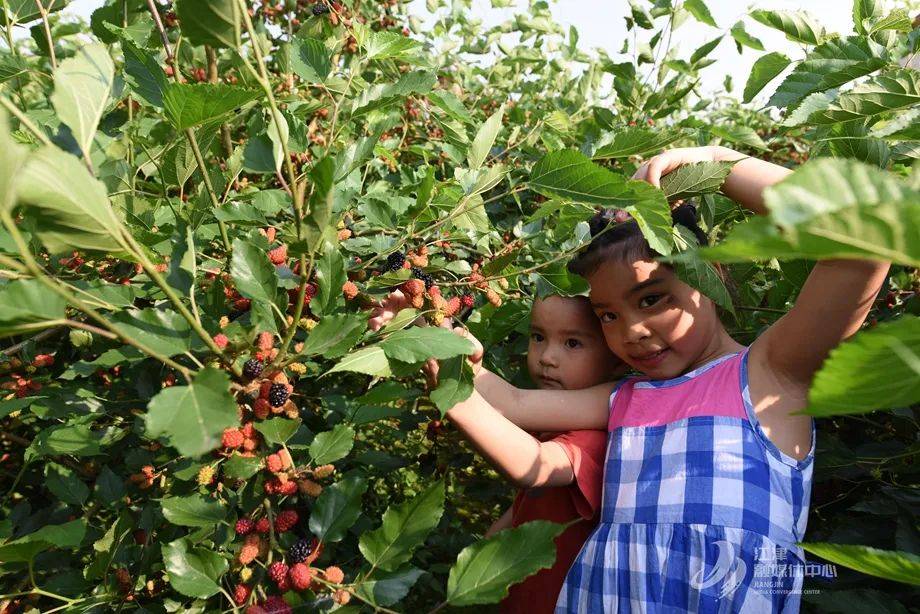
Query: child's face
point(567, 349)
point(655, 322)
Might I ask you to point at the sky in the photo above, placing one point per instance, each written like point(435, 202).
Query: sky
point(600, 24)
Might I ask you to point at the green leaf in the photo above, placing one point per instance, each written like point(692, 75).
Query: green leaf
point(555, 279)
point(700, 11)
point(485, 137)
point(193, 511)
point(742, 38)
point(369, 360)
point(74, 439)
point(72, 205)
point(333, 445)
point(64, 485)
point(143, 73)
point(455, 383)
point(330, 276)
point(310, 59)
point(193, 417)
point(830, 65)
point(377, 96)
point(888, 564)
point(278, 430)
point(382, 45)
point(163, 331)
point(24, 11)
point(875, 369)
point(417, 344)
point(254, 276)
point(898, 89)
point(765, 69)
point(10, 165)
point(321, 203)
point(740, 135)
point(852, 140)
point(334, 335)
point(27, 304)
point(635, 141)
point(701, 275)
point(82, 84)
point(865, 12)
point(67, 535)
point(386, 588)
point(812, 104)
point(705, 49)
point(484, 571)
point(209, 22)
point(193, 572)
point(798, 26)
point(694, 179)
point(241, 467)
point(187, 105)
point(404, 529)
point(337, 508)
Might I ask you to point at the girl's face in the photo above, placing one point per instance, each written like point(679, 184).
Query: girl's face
point(656, 323)
point(567, 349)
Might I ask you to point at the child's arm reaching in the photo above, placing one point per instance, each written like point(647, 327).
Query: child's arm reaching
point(504, 522)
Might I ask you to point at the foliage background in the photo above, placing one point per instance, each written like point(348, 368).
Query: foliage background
point(356, 134)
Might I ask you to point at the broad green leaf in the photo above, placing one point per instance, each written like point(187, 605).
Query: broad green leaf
point(830, 65)
point(65, 485)
point(193, 511)
point(370, 360)
point(865, 12)
point(740, 135)
point(891, 91)
point(743, 39)
point(484, 570)
point(14, 157)
point(72, 205)
point(404, 529)
point(798, 26)
point(254, 276)
point(67, 535)
point(635, 141)
point(455, 383)
point(241, 467)
point(334, 335)
point(143, 73)
point(355, 155)
point(700, 11)
point(852, 140)
point(278, 134)
point(24, 11)
point(163, 331)
point(321, 204)
point(73, 439)
point(11, 67)
point(694, 179)
point(705, 49)
point(278, 430)
point(700, 274)
point(897, 19)
point(337, 508)
point(383, 44)
point(330, 277)
point(210, 22)
point(82, 84)
point(812, 104)
point(485, 137)
point(310, 59)
point(193, 572)
point(386, 588)
point(193, 417)
point(888, 564)
point(417, 344)
point(333, 445)
point(187, 105)
point(27, 304)
point(764, 70)
point(875, 369)
point(555, 279)
point(376, 96)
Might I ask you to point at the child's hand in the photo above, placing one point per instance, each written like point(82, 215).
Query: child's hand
point(654, 168)
point(432, 366)
point(381, 315)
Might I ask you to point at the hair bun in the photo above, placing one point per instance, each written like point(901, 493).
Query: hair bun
point(685, 215)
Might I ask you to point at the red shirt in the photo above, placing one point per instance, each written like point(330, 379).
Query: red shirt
point(579, 500)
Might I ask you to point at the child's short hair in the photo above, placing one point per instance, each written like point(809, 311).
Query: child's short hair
point(625, 241)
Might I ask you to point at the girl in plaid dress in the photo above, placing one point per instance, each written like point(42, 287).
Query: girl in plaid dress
point(708, 470)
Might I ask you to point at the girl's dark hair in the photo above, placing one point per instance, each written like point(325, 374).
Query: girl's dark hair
point(625, 240)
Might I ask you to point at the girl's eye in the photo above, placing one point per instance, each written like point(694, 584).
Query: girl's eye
point(648, 301)
point(572, 343)
point(536, 337)
point(607, 317)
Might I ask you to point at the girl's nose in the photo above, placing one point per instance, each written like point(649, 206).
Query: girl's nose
point(549, 358)
point(636, 331)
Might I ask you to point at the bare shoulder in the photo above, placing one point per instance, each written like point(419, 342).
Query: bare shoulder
point(776, 399)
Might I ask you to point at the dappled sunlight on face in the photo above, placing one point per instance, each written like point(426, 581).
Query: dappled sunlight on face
point(657, 323)
point(567, 348)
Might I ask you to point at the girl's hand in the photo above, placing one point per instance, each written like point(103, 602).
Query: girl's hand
point(432, 366)
point(653, 169)
point(381, 315)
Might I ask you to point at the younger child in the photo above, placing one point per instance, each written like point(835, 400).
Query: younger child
point(709, 462)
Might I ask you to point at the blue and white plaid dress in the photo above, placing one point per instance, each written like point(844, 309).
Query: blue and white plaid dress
point(701, 512)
